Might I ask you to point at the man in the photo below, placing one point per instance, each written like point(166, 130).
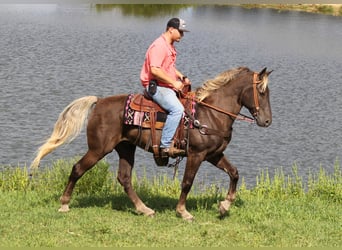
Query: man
point(159, 65)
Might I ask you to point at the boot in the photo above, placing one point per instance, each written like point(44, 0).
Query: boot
point(172, 151)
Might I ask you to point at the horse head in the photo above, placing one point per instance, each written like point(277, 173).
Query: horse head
point(255, 97)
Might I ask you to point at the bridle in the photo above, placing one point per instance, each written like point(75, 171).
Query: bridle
point(255, 93)
point(240, 116)
point(203, 129)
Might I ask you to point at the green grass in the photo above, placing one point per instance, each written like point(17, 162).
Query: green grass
point(280, 211)
point(326, 9)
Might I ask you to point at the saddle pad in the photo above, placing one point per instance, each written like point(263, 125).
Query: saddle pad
point(141, 118)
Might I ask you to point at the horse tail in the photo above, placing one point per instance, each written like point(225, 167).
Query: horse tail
point(68, 126)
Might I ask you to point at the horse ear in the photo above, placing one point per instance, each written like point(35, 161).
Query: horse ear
point(262, 73)
point(269, 72)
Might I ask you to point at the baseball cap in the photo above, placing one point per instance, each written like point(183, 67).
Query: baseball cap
point(177, 23)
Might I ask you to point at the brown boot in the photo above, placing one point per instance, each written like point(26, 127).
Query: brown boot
point(172, 151)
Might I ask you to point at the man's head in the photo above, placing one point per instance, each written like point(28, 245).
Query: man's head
point(176, 25)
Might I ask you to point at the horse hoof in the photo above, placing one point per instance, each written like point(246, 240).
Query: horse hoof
point(189, 219)
point(64, 209)
point(186, 216)
point(146, 211)
point(224, 207)
point(151, 215)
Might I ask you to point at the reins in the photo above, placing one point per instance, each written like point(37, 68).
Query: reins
point(239, 116)
point(203, 129)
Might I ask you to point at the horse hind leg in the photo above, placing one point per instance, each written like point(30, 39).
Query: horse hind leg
point(78, 170)
point(126, 153)
point(223, 164)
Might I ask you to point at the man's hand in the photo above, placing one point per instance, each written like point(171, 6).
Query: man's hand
point(178, 85)
point(186, 81)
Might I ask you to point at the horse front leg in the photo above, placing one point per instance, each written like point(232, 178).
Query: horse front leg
point(192, 165)
point(126, 153)
point(222, 163)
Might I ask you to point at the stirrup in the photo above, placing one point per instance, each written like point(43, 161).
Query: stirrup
point(161, 161)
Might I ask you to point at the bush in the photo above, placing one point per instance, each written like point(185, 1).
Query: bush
point(325, 9)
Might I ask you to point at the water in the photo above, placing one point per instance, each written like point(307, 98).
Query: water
point(53, 54)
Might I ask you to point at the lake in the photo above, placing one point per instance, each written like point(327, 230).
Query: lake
point(52, 54)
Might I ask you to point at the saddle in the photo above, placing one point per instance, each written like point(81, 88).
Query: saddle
point(146, 106)
point(142, 111)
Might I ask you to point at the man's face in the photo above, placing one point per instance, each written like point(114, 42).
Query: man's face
point(176, 34)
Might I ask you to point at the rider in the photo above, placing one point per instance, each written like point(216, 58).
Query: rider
point(159, 65)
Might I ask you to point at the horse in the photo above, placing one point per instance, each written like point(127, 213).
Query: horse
point(218, 104)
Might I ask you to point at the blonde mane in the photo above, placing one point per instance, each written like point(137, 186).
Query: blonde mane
point(220, 80)
point(263, 84)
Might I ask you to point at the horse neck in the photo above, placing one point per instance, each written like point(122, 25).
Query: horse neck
point(227, 99)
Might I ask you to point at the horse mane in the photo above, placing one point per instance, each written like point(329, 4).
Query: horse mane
point(223, 79)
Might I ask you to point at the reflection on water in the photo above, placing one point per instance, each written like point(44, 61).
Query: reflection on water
point(53, 54)
point(143, 10)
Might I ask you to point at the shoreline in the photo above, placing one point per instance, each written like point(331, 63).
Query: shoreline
point(326, 9)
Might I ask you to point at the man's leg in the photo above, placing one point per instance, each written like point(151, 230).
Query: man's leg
point(168, 100)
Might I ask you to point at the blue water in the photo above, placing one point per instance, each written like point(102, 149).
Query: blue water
point(53, 54)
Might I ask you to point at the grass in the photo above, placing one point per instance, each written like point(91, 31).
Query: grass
point(280, 211)
point(326, 9)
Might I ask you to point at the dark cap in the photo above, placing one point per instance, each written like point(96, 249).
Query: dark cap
point(178, 24)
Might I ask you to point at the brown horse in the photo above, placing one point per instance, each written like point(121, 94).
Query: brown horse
point(218, 103)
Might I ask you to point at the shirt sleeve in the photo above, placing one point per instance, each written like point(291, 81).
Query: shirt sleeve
point(157, 56)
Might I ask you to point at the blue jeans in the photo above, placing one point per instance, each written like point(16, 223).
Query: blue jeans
point(169, 101)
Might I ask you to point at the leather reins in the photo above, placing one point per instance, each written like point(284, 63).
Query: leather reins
point(240, 116)
point(203, 129)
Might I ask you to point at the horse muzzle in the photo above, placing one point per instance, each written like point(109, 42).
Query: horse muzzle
point(262, 121)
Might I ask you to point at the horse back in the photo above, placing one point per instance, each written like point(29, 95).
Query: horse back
point(108, 111)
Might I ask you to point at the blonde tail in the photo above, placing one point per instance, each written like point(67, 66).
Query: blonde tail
point(68, 126)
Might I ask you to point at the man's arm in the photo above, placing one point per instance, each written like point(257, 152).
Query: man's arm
point(162, 76)
point(183, 78)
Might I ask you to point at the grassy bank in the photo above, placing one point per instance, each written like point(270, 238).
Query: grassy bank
point(278, 211)
point(327, 9)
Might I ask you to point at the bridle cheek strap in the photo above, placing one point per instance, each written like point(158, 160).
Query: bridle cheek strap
point(255, 93)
